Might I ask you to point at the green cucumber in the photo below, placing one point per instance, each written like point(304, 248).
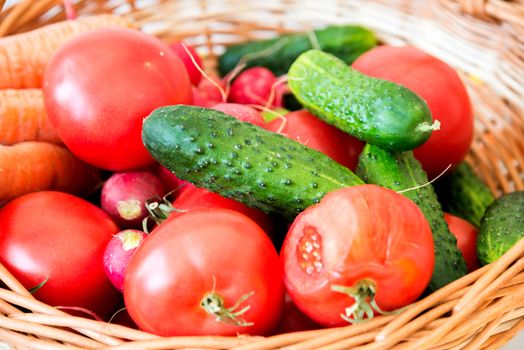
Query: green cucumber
point(401, 172)
point(345, 42)
point(464, 194)
point(374, 110)
point(239, 160)
point(501, 227)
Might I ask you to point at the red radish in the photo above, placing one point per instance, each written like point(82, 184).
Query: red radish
point(256, 85)
point(194, 73)
point(199, 198)
point(311, 131)
point(201, 99)
point(213, 88)
point(118, 252)
point(124, 195)
point(241, 112)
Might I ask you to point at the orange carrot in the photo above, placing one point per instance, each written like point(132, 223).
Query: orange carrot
point(23, 56)
point(23, 117)
point(35, 166)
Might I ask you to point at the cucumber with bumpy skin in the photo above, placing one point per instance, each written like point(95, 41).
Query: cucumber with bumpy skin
point(345, 42)
point(239, 160)
point(501, 227)
point(377, 111)
point(401, 172)
point(462, 193)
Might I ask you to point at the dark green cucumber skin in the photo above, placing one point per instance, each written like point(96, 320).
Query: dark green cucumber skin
point(400, 171)
point(345, 42)
point(501, 227)
point(464, 194)
point(239, 160)
point(374, 110)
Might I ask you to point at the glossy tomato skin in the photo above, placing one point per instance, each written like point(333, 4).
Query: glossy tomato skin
point(443, 90)
point(170, 180)
point(61, 238)
point(294, 320)
point(191, 198)
point(304, 127)
point(99, 86)
point(357, 233)
point(466, 235)
point(198, 252)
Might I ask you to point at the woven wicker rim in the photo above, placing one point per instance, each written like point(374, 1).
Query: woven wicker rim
point(482, 310)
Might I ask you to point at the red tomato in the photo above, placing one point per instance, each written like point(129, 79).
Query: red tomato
point(294, 320)
point(441, 87)
point(204, 257)
point(101, 85)
point(170, 180)
point(304, 127)
point(61, 238)
point(466, 235)
point(192, 198)
point(367, 238)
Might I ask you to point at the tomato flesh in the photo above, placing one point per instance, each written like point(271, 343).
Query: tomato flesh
point(360, 233)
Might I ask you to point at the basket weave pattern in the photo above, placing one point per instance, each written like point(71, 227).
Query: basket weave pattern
point(483, 39)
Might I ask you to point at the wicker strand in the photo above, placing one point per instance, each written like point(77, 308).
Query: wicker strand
point(75, 322)
point(488, 281)
point(502, 338)
point(30, 343)
point(11, 282)
point(342, 333)
point(433, 299)
point(7, 309)
point(48, 332)
point(502, 304)
point(34, 11)
point(39, 307)
point(204, 342)
point(484, 335)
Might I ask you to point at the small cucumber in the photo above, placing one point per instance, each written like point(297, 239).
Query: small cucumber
point(462, 193)
point(374, 110)
point(401, 172)
point(501, 227)
point(345, 42)
point(239, 160)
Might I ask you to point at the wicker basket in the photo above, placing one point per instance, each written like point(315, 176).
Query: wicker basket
point(483, 39)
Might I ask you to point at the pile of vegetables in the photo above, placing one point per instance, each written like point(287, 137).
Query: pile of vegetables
point(318, 181)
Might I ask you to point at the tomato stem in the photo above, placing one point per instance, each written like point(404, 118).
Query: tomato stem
point(423, 127)
point(213, 304)
point(34, 289)
point(363, 292)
